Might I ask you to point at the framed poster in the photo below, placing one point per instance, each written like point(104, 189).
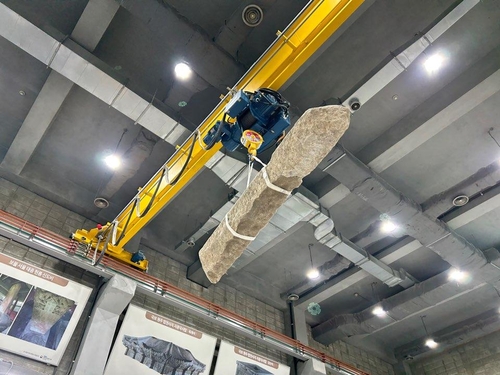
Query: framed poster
point(233, 360)
point(39, 310)
point(152, 344)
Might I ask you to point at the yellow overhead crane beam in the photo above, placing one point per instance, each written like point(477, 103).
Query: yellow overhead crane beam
point(292, 48)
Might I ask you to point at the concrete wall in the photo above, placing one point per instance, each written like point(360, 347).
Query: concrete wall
point(26, 366)
point(354, 356)
point(174, 273)
point(478, 357)
point(23, 203)
point(39, 211)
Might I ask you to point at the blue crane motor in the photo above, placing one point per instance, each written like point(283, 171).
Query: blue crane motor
point(264, 111)
point(138, 256)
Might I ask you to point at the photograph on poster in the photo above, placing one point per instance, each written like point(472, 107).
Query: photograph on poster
point(152, 344)
point(12, 295)
point(38, 310)
point(43, 318)
point(162, 356)
point(233, 360)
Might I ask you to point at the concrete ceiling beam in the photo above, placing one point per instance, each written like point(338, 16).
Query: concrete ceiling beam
point(404, 212)
point(194, 46)
point(74, 63)
point(437, 123)
point(407, 304)
point(329, 288)
point(454, 335)
point(466, 103)
point(480, 181)
point(458, 218)
point(478, 207)
point(95, 19)
point(37, 122)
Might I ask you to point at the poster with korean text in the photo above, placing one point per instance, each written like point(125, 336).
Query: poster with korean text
point(38, 310)
point(152, 344)
point(234, 360)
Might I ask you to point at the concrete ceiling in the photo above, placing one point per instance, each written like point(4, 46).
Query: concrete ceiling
point(430, 144)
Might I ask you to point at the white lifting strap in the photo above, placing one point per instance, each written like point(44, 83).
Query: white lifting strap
point(268, 182)
point(270, 185)
point(235, 234)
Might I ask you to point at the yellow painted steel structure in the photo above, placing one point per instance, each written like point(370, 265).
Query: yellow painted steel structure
point(314, 25)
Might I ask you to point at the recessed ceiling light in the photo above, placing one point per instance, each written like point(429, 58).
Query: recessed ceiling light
point(113, 161)
point(431, 344)
point(313, 273)
point(395, 97)
point(460, 200)
point(379, 311)
point(388, 226)
point(292, 297)
point(182, 71)
point(456, 275)
point(22, 93)
point(434, 63)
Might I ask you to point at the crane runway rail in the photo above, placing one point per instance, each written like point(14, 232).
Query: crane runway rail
point(67, 250)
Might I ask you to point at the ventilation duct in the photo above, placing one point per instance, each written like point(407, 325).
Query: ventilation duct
point(434, 234)
point(73, 62)
point(301, 207)
point(402, 61)
point(410, 302)
point(325, 233)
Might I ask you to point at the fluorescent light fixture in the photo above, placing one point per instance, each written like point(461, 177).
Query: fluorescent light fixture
point(313, 273)
point(388, 226)
point(456, 275)
point(182, 71)
point(431, 344)
point(434, 63)
point(113, 161)
point(379, 311)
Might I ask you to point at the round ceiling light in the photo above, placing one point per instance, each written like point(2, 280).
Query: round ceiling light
point(434, 63)
point(183, 71)
point(252, 15)
point(22, 93)
point(460, 200)
point(431, 344)
point(313, 274)
point(292, 297)
point(101, 203)
point(113, 161)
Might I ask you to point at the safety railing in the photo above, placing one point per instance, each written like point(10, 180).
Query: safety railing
point(71, 248)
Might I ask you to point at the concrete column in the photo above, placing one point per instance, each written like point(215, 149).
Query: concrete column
point(402, 368)
point(301, 325)
point(96, 344)
point(311, 367)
